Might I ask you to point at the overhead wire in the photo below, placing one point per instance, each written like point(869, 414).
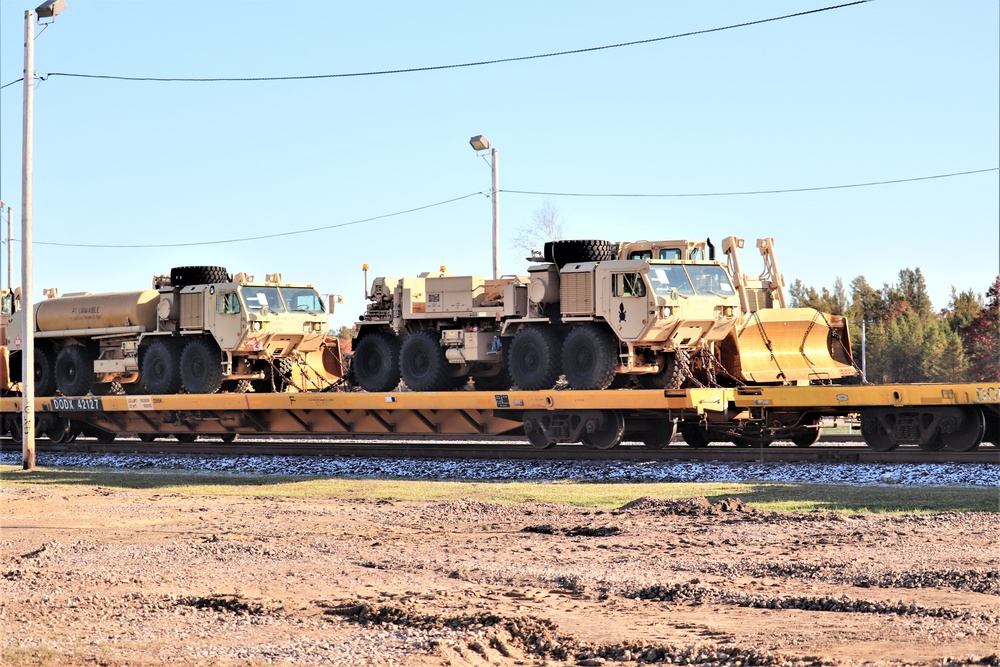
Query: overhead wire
point(487, 194)
point(432, 68)
point(749, 192)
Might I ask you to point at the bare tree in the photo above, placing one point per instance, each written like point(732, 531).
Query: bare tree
point(546, 226)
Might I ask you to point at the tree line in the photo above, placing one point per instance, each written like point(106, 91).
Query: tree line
point(906, 340)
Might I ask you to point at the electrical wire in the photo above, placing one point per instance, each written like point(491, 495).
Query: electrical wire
point(431, 68)
point(262, 236)
point(487, 194)
point(750, 192)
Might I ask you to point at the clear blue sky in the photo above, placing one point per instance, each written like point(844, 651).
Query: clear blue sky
point(890, 89)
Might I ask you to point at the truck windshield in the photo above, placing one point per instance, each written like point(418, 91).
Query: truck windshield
point(257, 298)
point(666, 277)
point(710, 279)
point(303, 299)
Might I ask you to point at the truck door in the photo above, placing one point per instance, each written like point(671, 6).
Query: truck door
point(228, 319)
point(629, 314)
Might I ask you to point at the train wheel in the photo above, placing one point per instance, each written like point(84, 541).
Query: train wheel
point(376, 362)
point(933, 445)
point(589, 357)
point(806, 438)
point(45, 371)
point(536, 436)
point(534, 358)
point(422, 363)
point(14, 430)
point(74, 371)
point(60, 430)
point(146, 437)
point(161, 369)
point(659, 438)
point(695, 436)
point(201, 369)
point(609, 435)
point(875, 435)
point(105, 437)
point(186, 438)
point(228, 437)
point(970, 435)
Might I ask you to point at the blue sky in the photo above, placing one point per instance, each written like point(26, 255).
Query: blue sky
point(885, 90)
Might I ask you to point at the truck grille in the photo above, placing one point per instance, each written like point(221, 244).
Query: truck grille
point(576, 292)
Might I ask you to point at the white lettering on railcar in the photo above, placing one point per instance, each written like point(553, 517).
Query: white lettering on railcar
point(988, 394)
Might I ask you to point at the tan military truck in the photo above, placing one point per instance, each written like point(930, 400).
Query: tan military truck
point(663, 312)
point(198, 330)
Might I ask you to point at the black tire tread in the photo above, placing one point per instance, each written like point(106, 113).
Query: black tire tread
point(182, 276)
point(546, 344)
point(579, 250)
point(74, 371)
point(386, 376)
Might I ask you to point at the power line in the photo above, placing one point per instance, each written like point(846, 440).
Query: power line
point(263, 236)
point(486, 194)
point(751, 192)
point(431, 68)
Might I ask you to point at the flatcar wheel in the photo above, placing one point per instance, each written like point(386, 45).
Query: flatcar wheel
point(743, 443)
point(609, 435)
point(660, 437)
point(536, 436)
point(806, 438)
point(228, 437)
point(875, 435)
point(933, 445)
point(60, 432)
point(147, 437)
point(970, 435)
point(185, 437)
point(695, 436)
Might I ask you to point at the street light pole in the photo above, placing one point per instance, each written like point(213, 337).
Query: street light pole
point(49, 9)
point(481, 143)
point(27, 301)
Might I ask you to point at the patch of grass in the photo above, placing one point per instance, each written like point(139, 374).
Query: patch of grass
point(763, 496)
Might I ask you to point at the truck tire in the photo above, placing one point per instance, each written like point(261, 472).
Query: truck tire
point(567, 252)
point(589, 357)
point(666, 378)
point(182, 276)
point(535, 358)
point(422, 363)
point(45, 371)
point(74, 371)
point(201, 369)
point(376, 362)
point(161, 368)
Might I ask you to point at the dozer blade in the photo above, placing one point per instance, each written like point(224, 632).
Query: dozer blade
point(794, 345)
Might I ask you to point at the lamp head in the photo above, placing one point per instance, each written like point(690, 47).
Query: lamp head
point(50, 9)
point(479, 142)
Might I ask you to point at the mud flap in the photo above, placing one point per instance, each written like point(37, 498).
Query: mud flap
point(793, 345)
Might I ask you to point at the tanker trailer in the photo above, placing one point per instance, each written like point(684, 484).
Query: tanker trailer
point(198, 330)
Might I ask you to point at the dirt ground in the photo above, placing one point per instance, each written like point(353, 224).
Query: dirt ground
point(92, 576)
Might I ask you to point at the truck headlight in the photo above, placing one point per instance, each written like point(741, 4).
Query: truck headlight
point(256, 325)
point(313, 327)
point(667, 311)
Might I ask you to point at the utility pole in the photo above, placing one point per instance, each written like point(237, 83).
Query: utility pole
point(27, 304)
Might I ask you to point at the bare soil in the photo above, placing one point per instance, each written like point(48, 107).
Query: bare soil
point(97, 576)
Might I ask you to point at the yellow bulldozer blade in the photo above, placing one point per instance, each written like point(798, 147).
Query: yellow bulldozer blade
point(793, 345)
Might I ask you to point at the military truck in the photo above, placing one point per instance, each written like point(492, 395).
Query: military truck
point(664, 313)
point(198, 330)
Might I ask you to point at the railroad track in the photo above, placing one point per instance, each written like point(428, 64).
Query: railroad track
point(493, 447)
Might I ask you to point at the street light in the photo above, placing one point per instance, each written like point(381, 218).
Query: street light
point(481, 143)
point(49, 10)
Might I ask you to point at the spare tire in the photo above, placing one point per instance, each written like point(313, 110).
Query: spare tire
point(182, 276)
point(568, 252)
